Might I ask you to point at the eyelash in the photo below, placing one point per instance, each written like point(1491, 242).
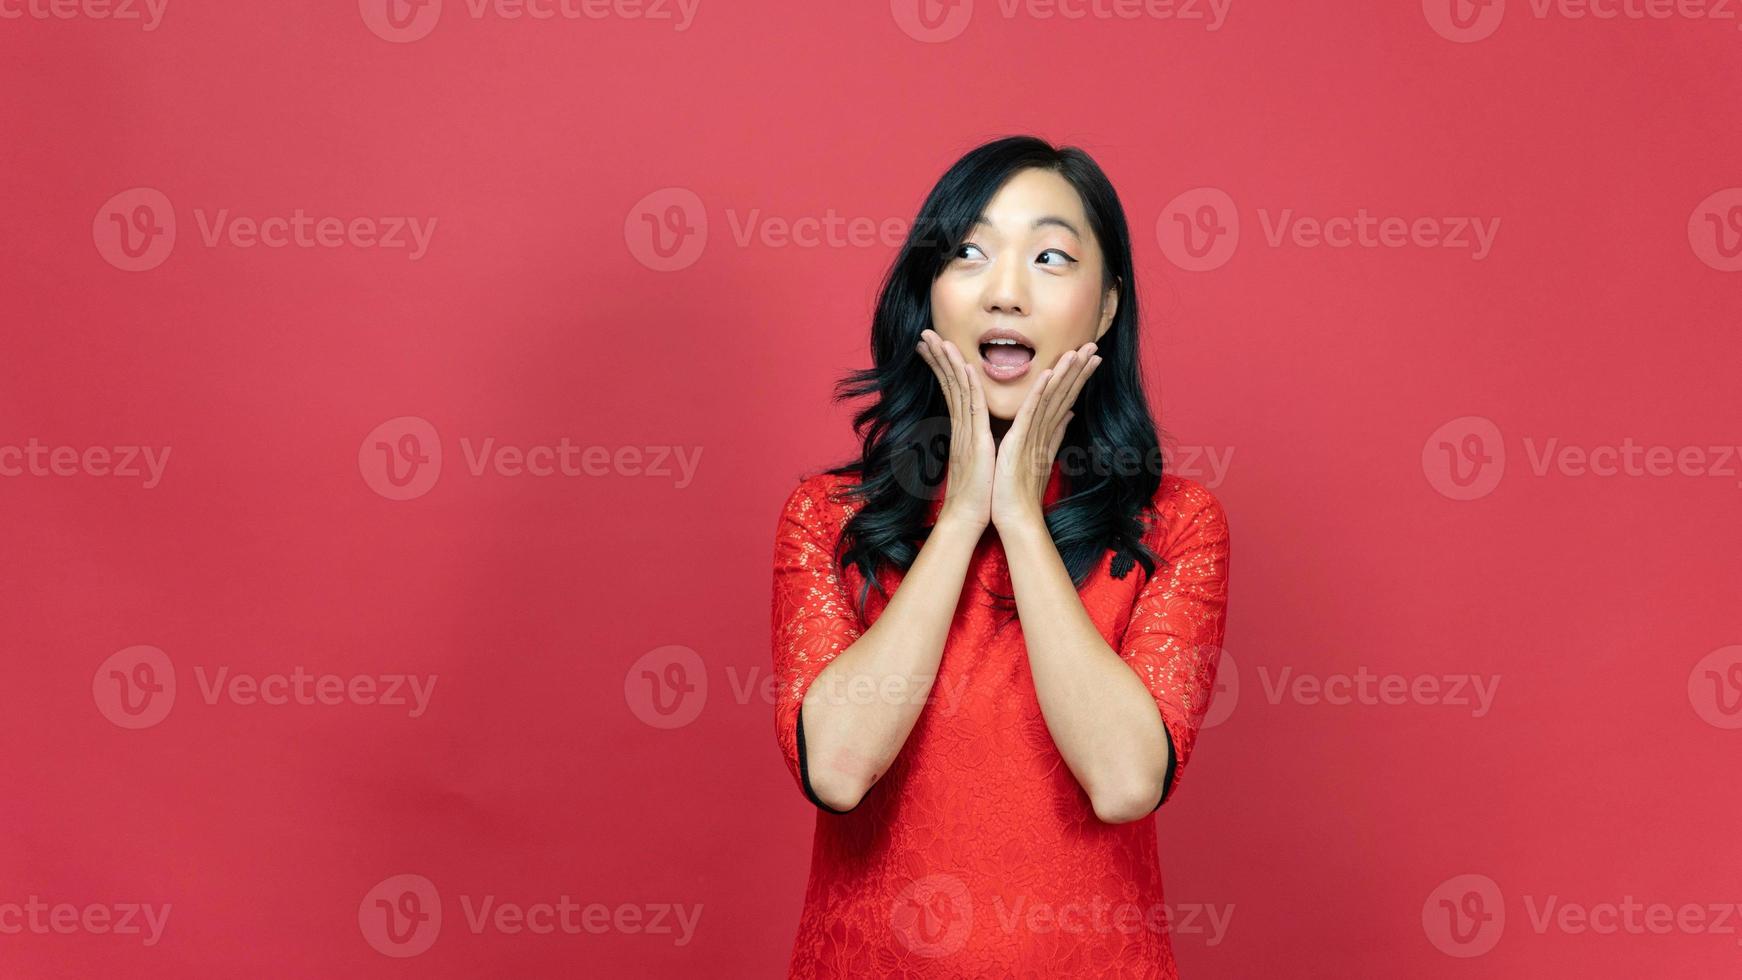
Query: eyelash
point(1061, 253)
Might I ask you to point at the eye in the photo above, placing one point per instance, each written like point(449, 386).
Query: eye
point(964, 245)
point(1054, 251)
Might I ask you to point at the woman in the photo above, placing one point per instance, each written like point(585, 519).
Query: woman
point(987, 687)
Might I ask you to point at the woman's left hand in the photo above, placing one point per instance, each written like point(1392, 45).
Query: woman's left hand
point(1026, 453)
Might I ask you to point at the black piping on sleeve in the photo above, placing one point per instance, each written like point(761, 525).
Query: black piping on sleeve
point(1172, 764)
point(804, 772)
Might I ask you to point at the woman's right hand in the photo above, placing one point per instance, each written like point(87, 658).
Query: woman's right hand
point(968, 497)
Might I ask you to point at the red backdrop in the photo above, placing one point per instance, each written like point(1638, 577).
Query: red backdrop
point(397, 402)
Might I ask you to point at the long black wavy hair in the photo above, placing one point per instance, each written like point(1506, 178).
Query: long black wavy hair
point(905, 432)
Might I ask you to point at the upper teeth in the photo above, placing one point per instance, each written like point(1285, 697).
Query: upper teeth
point(1006, 340)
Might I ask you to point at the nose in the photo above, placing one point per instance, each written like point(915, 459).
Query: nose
point(1007, 287)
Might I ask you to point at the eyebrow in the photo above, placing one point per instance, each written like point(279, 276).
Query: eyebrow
point(1041, 222)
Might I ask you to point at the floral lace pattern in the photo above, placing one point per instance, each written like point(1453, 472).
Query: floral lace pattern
point(977, 854)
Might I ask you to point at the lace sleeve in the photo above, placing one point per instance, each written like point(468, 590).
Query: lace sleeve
point(1174, 639)
point(813, 619)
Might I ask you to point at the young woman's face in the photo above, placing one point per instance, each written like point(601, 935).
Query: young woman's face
point(1031, 266)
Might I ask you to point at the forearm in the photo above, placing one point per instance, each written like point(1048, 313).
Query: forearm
point(860, 709)
point(1100, 715)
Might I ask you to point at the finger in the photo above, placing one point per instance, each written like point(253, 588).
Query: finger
point(1058, 437)
point(924, 350)
point(1048, 429)
point(1065, 396)
point(935, 350)
point(977, 402)
point(929, 353)
point(938, 369)
point(973, 397)
point(1090, 362)
point(970, 408)
point(1047, 409)
point(960, 384)
point(1019, 425)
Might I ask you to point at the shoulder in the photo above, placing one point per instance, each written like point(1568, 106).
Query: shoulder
point(819, 500)
point(1187, 514)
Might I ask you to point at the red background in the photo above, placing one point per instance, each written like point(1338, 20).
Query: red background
point(1604, 769)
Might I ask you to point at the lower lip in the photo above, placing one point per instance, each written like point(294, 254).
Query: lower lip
point(997, 373)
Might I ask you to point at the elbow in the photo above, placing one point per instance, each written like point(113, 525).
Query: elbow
point(1132, 804)
point(836, 792)
point(827, 785)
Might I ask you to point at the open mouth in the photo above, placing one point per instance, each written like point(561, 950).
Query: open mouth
point(1006, 359)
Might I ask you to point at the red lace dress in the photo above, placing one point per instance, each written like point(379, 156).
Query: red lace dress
point(977, 854)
